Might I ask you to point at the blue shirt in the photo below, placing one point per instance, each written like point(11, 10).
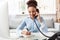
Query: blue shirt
point(30, 24)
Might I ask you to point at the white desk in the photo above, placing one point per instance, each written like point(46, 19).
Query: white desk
point(34, 36)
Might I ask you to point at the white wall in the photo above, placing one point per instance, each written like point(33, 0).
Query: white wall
point(47, 6)
point(3, 0)
point(13, 7)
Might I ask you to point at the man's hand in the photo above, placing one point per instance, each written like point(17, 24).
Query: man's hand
point(25, 32)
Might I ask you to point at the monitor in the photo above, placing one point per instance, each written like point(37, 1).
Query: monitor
point(4, 26)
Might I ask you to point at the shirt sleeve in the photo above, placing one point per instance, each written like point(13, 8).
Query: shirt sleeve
point(20, 27)
point(43, 27)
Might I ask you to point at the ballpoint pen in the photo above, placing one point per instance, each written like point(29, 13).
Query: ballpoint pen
point(27, 29)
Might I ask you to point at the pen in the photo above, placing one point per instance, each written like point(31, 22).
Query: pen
point(27, 29)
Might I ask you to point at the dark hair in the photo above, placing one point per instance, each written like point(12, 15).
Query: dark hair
point(37, 10)
point(32, 3)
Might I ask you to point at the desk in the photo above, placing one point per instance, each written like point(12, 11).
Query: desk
point(34, 36)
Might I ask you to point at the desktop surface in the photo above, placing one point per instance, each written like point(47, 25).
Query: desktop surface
point(33, 36)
